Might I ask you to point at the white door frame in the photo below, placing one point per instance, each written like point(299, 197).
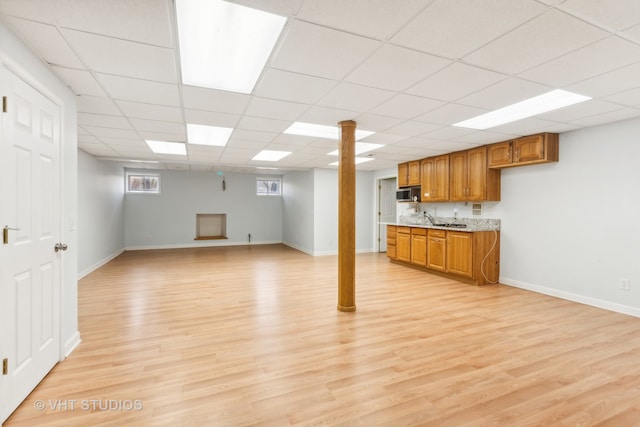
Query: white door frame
point(377, 234)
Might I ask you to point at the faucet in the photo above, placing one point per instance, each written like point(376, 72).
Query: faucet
point(429, 217)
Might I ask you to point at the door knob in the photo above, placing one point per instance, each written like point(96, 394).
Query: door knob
point(5, 233)
point(60, 247)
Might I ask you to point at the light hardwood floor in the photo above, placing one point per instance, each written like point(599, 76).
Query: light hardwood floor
point(250, 336)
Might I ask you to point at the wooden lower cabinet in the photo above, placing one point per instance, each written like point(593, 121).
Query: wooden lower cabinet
point(460, 253)
point(419, 246)
point(403, 244)
point(473, 257)
point(436, 250)
point(391, 241)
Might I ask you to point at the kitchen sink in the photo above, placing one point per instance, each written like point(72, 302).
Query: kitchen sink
point(452, 225)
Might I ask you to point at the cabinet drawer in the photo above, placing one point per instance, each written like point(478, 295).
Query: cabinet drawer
point(437, 233)
point(405, 230)
point(391, 234)
point(391, 241)
point(418, 231)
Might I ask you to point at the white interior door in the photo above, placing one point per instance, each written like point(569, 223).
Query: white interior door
point(30, 275)
point(386, 209)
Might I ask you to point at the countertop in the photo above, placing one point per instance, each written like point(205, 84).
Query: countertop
point(472, 224)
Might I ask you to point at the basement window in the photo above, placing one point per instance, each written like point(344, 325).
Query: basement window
point(142, 183)
point(268, 186)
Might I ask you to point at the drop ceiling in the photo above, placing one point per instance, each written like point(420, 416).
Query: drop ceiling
point(406, 69)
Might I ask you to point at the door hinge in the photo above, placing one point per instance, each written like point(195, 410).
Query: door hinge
point(4, 104)
point(5, 366)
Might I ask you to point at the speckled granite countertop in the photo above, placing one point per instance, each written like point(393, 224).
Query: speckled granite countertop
point(443, 223)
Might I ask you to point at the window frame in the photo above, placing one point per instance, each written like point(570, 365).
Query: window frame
point(267, 179)
point(128, 174)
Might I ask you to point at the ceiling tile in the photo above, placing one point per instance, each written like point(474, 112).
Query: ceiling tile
point(129, 89)
point(456, 81)
point(88, 119)
point(145, 21)
point(578, 111)
point(259, 124)
point(544, 38)
point(211, 118)
point(504, 93)
point(157, 126)
point(326, 116)
point(613, 116)
point(121, 57)
point(449, 114)
point(248, 135)
point(98, 150)
point(406, 106)
point(139, 110)
point(379, 19)
point(615, 15)
point(274, 109)
point(376, 122)
point(294, 87)
point(194, 167)
point(97, 105)
point(411, 128)
point(597, 58)
point(629, 97)
point(163, 136)
point(111, 132)
point(81, 82)
point(198, 98)
point(524, 127)
point(453, 29)
point(278, 7)
point(607, 84)
point(311, 49)
point(47, 41)
point(349, 96)
point(633, 33)
point(396, 68)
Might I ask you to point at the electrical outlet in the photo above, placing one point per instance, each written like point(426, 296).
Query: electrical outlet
point(625, 284)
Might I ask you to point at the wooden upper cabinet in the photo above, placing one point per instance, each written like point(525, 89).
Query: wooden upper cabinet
point(528, 150)
point(414, 173)
point(470, 178)
point(499, 155)
point(435, 179)
point(409, 174)
point(403, 175)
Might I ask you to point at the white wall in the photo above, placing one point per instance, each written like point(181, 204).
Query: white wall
point(298, 210)
point(571, 228)
point(168, 220)
point(30, 68)
point(100, 212)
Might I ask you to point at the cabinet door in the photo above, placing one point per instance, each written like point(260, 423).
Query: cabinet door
point(529, 148)
point(391, 241)
point(499, 154)
point(426, 180)
point(403, 247)
point(403, 175)
point(440, 180)
point(460, 253)
point(458, 176)
point(436, 252)
point(414, 172)
point(419, 249)
point(477, 174)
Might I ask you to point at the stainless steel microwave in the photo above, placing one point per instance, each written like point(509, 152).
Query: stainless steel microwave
point(410, 194)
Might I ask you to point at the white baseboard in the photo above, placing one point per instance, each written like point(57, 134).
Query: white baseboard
point(71, 344)
point(200, 244)
point(98, 264)
point(594, 302)
point(298, 248)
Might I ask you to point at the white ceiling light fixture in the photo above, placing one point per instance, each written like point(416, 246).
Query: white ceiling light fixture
point(224, 45)
point(165, 147)
point(358, 160)
point(521, 110)
point(322, 131)
point(271, 155)
point(361, 147)
point(208, 135)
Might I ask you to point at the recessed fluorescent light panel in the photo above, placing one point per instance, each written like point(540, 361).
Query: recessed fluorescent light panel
point(208, 135)
point(529, 107)
point(224, 45)
point(164, 147)
point(322, 131)
point(271, 156)
point(361, 147)
point(358, 160)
